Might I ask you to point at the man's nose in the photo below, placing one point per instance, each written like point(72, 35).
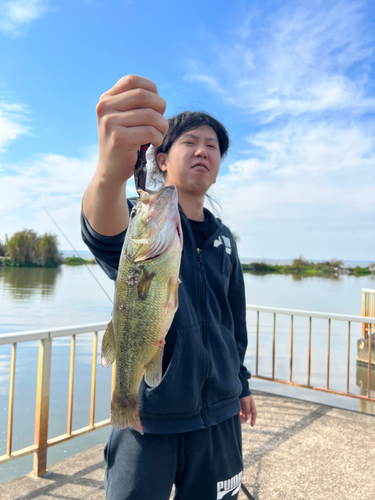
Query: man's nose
point(201, 152)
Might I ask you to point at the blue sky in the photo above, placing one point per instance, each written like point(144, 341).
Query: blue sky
point(293, 82)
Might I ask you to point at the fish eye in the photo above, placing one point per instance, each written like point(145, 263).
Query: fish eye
point(133, 212)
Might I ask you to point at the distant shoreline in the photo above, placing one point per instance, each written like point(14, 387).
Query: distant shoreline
point(302, 267)
point(68, 261)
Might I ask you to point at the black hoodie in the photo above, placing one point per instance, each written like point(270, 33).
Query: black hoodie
point(206, 343)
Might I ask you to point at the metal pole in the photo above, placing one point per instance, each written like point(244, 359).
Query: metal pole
point(291, 350)
point(11, 399)
point(309, 353)
point(273, 345)
point(257, 347)
point(71, 384)
point(93, 379)
point(348, 361)
point(42, 406)
point(328, 351)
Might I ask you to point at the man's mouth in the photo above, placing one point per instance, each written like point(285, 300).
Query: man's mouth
point(200, 166)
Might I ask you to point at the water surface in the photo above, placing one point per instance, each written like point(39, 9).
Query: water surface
point(43, 298)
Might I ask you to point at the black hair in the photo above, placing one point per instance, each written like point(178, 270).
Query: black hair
point(178, 125)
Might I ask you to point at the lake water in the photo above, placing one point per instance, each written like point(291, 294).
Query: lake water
point(44, 298)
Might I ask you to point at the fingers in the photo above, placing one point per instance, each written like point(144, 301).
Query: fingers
point(248, 409)
point(129, 114)
point(245, 409)
point(253, 411)
point(131, 82)
point(131, 99)
point(135, 127)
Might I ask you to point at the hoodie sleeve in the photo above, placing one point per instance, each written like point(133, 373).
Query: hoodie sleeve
point(237, 300)
point(105, 249)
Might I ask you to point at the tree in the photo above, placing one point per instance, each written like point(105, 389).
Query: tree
point(23, 247)
point(297, 263)
point(3, 249)
point(47, 250)
point(27, 248)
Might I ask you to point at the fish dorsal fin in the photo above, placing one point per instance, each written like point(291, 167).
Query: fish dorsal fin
point(144, 283)
point(154, 369)
point(108, 347)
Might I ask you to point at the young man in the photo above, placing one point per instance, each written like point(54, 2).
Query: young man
point(192, 419)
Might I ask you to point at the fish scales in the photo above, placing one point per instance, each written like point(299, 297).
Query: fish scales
point(145, 301)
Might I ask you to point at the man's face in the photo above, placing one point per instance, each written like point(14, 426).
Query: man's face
point(193, 161)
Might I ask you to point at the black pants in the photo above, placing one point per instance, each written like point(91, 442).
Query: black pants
point(204, 464)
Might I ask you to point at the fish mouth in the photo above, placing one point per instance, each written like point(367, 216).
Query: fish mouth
point(164, 222)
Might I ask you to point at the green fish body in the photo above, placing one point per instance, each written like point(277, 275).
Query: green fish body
point(145, 301)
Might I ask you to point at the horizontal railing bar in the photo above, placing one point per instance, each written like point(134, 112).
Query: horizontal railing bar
point(368, 290)
point(18, 454)
point(22, 337)
point(51, 442)
point(321, 389)
point(78, 432)
point(313, 314)
point(77, 329)
point(51, 333)
point(62, 332)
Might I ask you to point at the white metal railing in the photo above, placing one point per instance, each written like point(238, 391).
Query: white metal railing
point(368, 309)
point(41, 441)
point(46, 336)
point(316, 315)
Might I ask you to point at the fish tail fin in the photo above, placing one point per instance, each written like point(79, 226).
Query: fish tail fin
point(125, 412)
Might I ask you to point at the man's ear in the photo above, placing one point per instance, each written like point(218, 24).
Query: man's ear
point(161, 160)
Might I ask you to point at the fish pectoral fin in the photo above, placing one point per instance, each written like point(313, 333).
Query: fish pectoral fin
point(172, 294)
point(108, 347)
point(144, 283)
point(154, 369)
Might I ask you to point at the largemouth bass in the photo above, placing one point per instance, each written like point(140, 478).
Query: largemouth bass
point(145, 301)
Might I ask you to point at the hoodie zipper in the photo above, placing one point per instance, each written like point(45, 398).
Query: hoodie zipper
point(200, 268)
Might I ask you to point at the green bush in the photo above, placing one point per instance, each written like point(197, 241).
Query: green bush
point(77, 261)
point(27, 249)
point(3, 249)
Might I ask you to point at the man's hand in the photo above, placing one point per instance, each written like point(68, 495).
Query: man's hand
point(129, 114)
point(248, 408)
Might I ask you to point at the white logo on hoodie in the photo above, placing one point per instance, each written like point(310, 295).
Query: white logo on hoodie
point(219, 241)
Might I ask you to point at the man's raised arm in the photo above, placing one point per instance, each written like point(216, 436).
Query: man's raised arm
point(129, 114)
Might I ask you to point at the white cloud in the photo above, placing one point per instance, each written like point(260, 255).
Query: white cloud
point(16, 14)
point(12, 116)
point(304, 184)
point(52, 181)
point(302, 75)
point(298, 62)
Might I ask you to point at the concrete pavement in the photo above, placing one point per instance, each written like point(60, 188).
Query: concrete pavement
point(296, 451)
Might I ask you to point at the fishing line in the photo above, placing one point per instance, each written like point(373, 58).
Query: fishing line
point(84, 263)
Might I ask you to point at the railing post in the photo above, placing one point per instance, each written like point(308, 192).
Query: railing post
point(273, 345)
point(93, 379)
point(11, 399)
point(309, 353)
point(328, 351)
point(71, 384)
point(257, 347)
point(291, 349)
point(42, 406)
